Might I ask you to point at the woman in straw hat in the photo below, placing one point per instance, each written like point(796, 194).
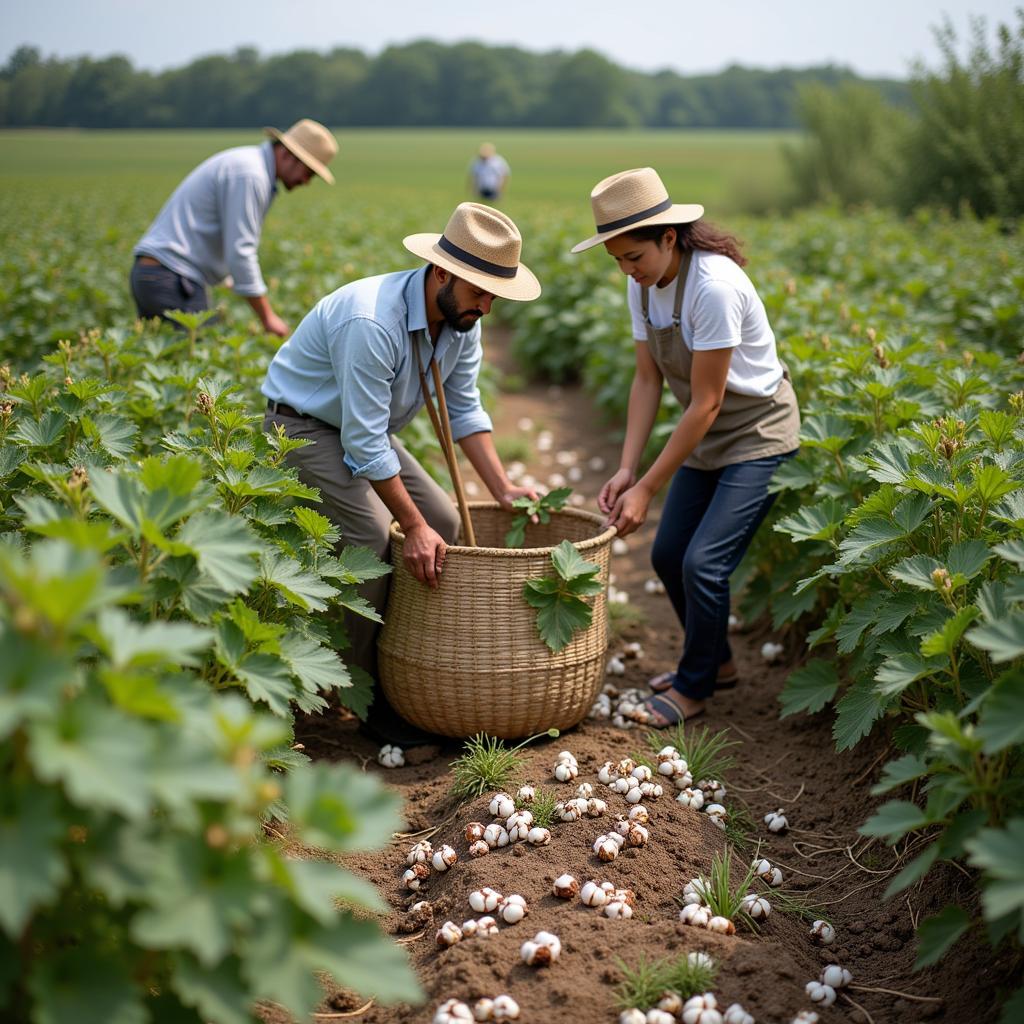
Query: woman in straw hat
point(700, 327)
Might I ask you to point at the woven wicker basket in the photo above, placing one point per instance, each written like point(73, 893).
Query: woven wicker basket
point(467, 658)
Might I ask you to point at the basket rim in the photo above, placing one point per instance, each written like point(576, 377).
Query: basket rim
point(576, 513)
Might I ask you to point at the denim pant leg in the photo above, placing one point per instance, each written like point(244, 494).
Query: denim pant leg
point(156, 289)
point(737, 508)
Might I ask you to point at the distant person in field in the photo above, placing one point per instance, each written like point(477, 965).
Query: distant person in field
point(488, 173)
point(700, 327)
point(209, 230)
point(350, 378)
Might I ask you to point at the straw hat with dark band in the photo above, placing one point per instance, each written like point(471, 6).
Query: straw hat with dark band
point(312, 143)
point(482, 246)
point(633, 199)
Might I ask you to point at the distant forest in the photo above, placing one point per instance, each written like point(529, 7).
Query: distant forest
point(422, 83)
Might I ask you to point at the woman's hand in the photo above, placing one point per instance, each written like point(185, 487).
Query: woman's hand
point(630, 510)
point(510, 493)
point(614, 488)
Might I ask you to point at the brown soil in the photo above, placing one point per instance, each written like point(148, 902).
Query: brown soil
point(790, 763)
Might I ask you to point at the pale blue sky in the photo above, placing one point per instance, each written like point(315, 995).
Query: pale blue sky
point(879, 37)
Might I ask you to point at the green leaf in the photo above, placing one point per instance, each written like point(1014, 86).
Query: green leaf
point(77, 986)
point(967, 558)
point(355, 565)
point(516, 533)
point(937, 934)
point(860, 616)
point(1001, 723)
point(899, 772)
point(316, 667)
point(40, 433)
point(359, 695)
point(894, 611)
point(813, 522)
point(993, 483)
point(856, 713)
point(916, 571)
point(153, 643)
point(913, 872)
point(223, 547)
point(809, 688)
point(219, 993)
point(1013, 1008)
point(895, 674)
point(570, 564)
point(558, 620)
point(1012, 551)
point(316, 885)
point(114, 434)
point(298, 586)
point(887, 462)
point(348, 598)
point(893, 820)
point(32, 868)
point(944, 641)
point(869, 535)
point(997, 851)
point(1003, 638)
point(158, 497)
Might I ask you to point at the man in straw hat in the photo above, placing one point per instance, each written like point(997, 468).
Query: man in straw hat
point(349, 379)
point(488, 173)
point(210, 228)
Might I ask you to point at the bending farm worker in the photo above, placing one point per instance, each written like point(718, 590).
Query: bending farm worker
point(349, 379)
point(209, 230)
point(700, 327)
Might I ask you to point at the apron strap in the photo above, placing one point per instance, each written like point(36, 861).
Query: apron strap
point(677, 311)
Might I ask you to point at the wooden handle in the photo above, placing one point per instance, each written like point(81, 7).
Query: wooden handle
point(445, 437)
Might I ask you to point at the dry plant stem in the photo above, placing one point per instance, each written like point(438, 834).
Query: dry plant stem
point(785, 800)
point(406, 939)
point(853, 1002)
point(349, 1013)
point(870, 768)
point(895, 992)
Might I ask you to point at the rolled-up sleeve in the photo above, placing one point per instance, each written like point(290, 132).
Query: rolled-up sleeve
point(244, 202)
point(363, 357)
point(462, 394)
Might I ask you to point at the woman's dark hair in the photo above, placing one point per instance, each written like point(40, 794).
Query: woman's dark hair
point(698, 234)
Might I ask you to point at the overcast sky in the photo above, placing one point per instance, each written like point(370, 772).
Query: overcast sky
point(874, 37)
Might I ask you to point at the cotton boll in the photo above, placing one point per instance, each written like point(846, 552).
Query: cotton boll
point(420, 853)
point(823, 933)
point(565, 887)
point(657, 1016)
point(538, 836)
point(823, 995)
point(391, 756)
point(452, 1012)
point(525, 424)
point(692, 798)
point(505, 1008)
point(483, 1009)
point(556, 480)
point(448, 934)
point(615, 666)
point(721, 925)
point(776, 821)
point(835, 976)
point(771, 652)
point(479, 848)
point(526, 794)
point(654, 586)
point(695, 915)
point(701, 1010)
point(735, 1014)
point(596, 464)
point(577, 500)
point(632, 1016)
point(502, 805)
point(592, 895)
point(757, 907)
point(620, 547)
point(415, 877)
point(700, 959)
point(574, 474)
point(444, 858)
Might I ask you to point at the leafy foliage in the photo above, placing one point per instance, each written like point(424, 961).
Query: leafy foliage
point(530, 510)
point(558, 598)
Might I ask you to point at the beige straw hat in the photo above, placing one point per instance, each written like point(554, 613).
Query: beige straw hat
point(482, 246)
point(633, 199)
point(312, 143)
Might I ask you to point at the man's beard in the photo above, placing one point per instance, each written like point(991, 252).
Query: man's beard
point(460, 320)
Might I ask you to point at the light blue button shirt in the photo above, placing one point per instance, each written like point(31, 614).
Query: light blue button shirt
point(210, 227)
point(351, 363)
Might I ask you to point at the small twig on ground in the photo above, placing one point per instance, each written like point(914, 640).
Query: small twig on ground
point(894, 992)
point(853, 1002)
point(914, 918)
point(787, 800)
point(274, 832)
point(348, 1013)
point(870, 768)
point(411, 938)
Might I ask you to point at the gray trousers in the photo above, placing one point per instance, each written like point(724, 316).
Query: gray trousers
point(362, 518)
point(156, 289)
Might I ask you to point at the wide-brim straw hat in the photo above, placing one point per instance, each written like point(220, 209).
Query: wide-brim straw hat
point(634, 199)
point(482, 246)
point(312, 143)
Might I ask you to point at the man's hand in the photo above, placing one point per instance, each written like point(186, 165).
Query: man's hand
point(424, 552)
point(630, 510)
point(613, 490)
point(510, 493)
point(273, 324)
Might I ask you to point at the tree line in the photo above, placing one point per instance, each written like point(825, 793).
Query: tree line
point(422, 83)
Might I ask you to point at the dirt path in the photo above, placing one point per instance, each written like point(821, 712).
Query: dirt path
point(790, 763)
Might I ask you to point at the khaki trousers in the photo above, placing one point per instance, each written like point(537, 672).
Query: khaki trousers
point(353, 506)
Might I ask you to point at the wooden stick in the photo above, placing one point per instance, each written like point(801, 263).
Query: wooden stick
point(468, 536)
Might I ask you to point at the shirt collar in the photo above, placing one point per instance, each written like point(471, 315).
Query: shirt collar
point(416, 300)
point(268, 159)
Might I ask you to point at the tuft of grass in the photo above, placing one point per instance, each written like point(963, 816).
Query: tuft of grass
point(487, 764)
point(621, 617)
point(795, 903)
point(723, 895)
point(542, 808)
point(513, 448)
point(646, 981)
point(740, 827)
point(706, 752)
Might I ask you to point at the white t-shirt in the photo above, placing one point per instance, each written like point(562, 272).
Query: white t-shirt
point(721, 309)
point(489, 172)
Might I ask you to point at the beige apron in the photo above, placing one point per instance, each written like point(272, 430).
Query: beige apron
point(747, 426)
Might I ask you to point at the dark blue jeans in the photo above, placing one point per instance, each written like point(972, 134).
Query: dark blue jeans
point(156, 289)
point(707, 523)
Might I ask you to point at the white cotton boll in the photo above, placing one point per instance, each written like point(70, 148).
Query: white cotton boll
point(606, 849)
point(577, 500)
point(776, 821)
point(519, 818)
point(767, 873)
point(721, 925)
point(713, 790)
point(444, 858)
point(805, 1017)
point(574, 474)
point(695, 915)
point(620, 547)
point(512, 909)
point(496, 836)
point(596, 807)
point(505, 1008)
point(596, 464)
point(471, 488)
point(567, 812)
point(701, 1010)
point(565, 772)
point(621, 723)
point(637, 835)
point(717, 815)
point(585, 790)
point(654, 586)
point(692, 798)
point(757, 907)
point(479, 848)
point(668, 754)
point(606, 774)
point(823, 995)
point(565, 458)
point(452, 1012)
point(634, 650)
point(835, 976)
point(515, 470)
point(448, 934)
point(639, 814)
point(615, 666)
point(556, 480)
point(618, 910)
point(651, 790)
point(735, 623)
point(525, 424)
point(485, 900)
point(735, 1014)
point(592, 895)
point(415, 876)
point(700, 959)
point(469, 928)
point(539, 836)
point(657, 1016)
point(501, 806)
point(632, 1016)
point(823, 933)
point(486, 927)
point(483, 1009)
point(692, 898)
point(671, 1002)
point(641, 773)
point(545, 442)
point(619, 597)
point(634, 796)
point(391, 756)
point(528, 481)
point(420, 853)
point(565, 887)
point(771, 652)
point(526, 794)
